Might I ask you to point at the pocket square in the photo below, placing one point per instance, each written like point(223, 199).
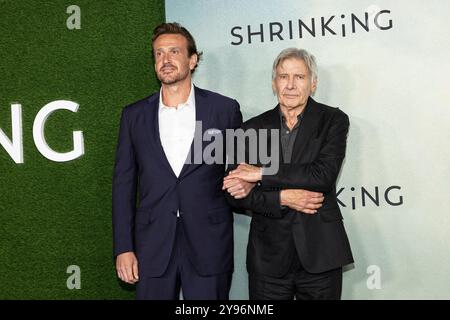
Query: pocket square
point(212, 131)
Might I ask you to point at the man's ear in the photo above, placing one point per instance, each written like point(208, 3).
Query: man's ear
point(274, 90)
point(314, 86)
point(193, 61)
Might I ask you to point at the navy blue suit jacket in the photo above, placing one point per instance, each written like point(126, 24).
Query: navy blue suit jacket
point(142, 172)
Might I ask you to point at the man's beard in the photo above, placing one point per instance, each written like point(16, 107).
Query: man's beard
point(172, 78)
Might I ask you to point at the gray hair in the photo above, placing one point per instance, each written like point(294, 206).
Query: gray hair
point(296, 53)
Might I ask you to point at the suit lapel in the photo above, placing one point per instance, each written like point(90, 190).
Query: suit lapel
point(272, 122)
point(152, 130)
point(202, 115)
point(307, 127)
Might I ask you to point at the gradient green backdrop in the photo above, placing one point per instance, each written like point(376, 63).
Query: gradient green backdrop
point(58, 214)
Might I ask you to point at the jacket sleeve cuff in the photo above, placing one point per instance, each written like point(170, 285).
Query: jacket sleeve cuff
point(273, 205)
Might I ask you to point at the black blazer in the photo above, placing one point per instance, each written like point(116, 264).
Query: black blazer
point(276, 233)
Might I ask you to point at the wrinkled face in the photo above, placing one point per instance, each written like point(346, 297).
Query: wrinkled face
point(293, 83)
point(172, 63)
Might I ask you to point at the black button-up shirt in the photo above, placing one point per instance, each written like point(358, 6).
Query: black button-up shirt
point(288, 137)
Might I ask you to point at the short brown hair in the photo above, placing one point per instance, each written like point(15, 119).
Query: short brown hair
point(176, 28)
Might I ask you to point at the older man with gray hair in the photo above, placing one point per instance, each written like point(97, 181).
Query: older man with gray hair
point(297, 243)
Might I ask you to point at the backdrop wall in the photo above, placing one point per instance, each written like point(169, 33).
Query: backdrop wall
point(54, 215)
point(389, 73)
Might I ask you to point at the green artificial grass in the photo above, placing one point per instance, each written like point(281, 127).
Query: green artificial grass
point(53, 215)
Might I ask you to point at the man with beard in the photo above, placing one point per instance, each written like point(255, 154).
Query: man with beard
point(180, 234)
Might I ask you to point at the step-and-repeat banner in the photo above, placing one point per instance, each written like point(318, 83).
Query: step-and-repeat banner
point(384, 63)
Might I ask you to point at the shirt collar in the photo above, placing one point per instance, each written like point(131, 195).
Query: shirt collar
point(283, 119)
point(190, 102)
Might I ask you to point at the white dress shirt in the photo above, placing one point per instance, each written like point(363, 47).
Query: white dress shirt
point(176, 130)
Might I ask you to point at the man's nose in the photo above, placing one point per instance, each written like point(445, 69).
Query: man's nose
point(291, 83)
